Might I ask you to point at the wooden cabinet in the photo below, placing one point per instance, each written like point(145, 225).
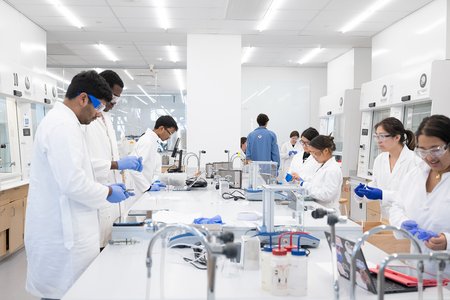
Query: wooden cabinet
point(12, 219)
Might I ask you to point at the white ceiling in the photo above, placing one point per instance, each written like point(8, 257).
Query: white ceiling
point(130, 29)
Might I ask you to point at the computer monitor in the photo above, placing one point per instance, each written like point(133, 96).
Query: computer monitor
point(175, 148)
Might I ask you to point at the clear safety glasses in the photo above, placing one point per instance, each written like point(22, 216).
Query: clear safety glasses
point(381, 137)
point(436, 152)
point(98, 105)
point(304, 143)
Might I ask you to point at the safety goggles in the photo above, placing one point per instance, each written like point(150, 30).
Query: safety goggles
point(304, 143)
point(98, 105)
point(381, 137)
point(436, 152)
point(115, 99)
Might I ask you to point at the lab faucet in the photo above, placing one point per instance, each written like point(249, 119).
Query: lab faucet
point(233, 157)
point(228, 155)
point(198, 157)
point(209, 241)
point(364, 238)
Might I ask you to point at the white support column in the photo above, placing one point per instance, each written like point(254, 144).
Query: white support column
point(213, 106)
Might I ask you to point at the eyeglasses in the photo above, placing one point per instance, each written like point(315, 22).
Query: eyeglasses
point(381, 137)
point(436, 152)
point(304, 143)
point(316, 153)
point(98, 105)
point(170, 133)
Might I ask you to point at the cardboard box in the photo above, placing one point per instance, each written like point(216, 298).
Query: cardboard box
point(2, 243)
point(385, 240)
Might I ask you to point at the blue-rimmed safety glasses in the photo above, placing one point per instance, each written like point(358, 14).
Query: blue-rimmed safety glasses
point(98, 105)
point(435, 152)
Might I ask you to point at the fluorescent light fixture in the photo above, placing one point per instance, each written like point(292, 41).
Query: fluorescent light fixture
point(364, 15)
point(431, 26)
point(106, 52)
point(122, 111)
point(269, 15)
point(162, 16)
point(145, 93)
point(246, 54)
point(141, 100)
point(173, 55)
point(128, 74)
point(310, 55)
point(57, 77)
point(66, 13)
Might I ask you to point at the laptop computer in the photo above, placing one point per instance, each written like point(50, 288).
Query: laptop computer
point(182, 188)
point(365, 278)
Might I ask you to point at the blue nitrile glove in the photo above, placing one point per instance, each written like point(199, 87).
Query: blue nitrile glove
point(214, 220)
point(160, 183)
point(410, 225)
point(155, 187)
point(130, 163)
point(118, 193)
point(359, 188)
point(295, 152)
point(290, 153)
point(288, 177)
point(425, 235)
point(372, 193)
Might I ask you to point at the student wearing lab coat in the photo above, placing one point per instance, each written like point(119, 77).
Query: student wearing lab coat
point(289, 150)
point(390, 166)
point(103, 150)
point(147, 148)
point(61, 224)
point(304, 168)
point(422, 203)
point(325, 185)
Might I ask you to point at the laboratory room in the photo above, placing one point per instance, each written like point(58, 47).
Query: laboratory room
point(224, 149)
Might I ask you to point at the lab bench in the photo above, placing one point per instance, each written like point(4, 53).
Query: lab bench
point(13, 200)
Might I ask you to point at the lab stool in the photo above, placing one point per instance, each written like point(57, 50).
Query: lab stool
point(343, 206)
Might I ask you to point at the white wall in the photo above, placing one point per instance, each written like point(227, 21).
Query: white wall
point(213, 107)
point(417, 39)
point(23, 42)
point(289, 96)
point(349, 70)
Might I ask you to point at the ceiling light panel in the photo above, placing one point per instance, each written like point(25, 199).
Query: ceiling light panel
point(107, 52)
point(67, 13)
point(364, 15)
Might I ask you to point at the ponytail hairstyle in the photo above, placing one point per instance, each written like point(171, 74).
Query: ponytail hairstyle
point(435, 126)
point(322, 142)
point(394, 127)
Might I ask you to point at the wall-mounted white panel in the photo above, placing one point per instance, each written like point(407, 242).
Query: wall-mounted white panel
point(340, 73)
point(213, 109)
point(417, 39)
point(289, 96)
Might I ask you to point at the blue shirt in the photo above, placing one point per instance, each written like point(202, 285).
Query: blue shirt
point(262, 145)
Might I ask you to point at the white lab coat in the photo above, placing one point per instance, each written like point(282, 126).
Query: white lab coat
point(431, 211)
point(61, 224)
point(102, 145)
point(305, 169)
point(147, 148)
point(326, 183)
point(389, 182)
point(286, 159)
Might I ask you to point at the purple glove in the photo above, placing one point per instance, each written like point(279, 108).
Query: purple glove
point(425, 235)
point(372, 193)
point(358, 190)
point(410, 225)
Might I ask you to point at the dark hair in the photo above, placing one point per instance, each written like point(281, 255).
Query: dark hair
point(310, 133)
point(294, 133)
point(435, 125)
point(91, 83)
point(243, 140)
point(394, 127)
point(167, 122)
point(322, 142)
point(262, 119)
point(112, 78)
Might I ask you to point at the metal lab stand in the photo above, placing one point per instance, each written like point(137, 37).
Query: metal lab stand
point(364, 238)
point(269, 202)
point(441, 257)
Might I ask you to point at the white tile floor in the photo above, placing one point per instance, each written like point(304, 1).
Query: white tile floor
point(13, 271)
